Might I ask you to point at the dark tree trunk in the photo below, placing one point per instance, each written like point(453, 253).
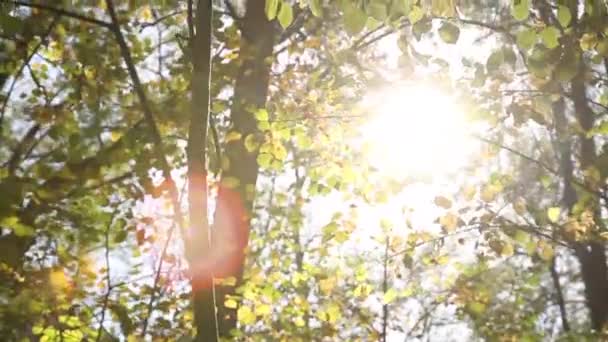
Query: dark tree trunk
point(236, 195)
point(591, 255)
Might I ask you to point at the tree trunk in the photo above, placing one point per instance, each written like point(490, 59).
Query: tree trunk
point(198, 242)
point(236, 194)
point(590, 254)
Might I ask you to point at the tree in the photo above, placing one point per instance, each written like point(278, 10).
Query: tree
point(114, 112)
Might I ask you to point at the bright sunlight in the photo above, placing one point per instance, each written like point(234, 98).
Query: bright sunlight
point(416, 131)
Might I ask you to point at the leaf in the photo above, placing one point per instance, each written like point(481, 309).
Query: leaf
point(264, 160)
point(121, 236)
point(564, 16)
point(588, 41)
point(263, 309)
point(520, 9)
point(272, 6)
point(545, 251)
point(285, 14)
point(315, 7)
point(526, 38)
point(250, 143)
point(233, 136)
point(354, 18)
point(415, 15)
point(299, 322)
point(553, 214)
point(449, 33)
point(230, 303)
point(389, 296)
point(488, 193)
point(520, 206)
point(261, 115)
point(550, 37)
point(245, 315)
point(443, 202)
point(327, 285)
point(449, 222)
point(443, 8)
point(377, 10)
point(495, 60)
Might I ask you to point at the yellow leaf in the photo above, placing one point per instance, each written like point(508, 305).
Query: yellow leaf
point(299, 322)
point(449, 222)
point(469, 192)
point(553, 214)
point(327, 285)
point(443, 202)
point(262, 309)
point(245, 315)
point(389, 296)
point(488, 193)
point(233, 136)
point(519, 206)
point(545, 251)
point(58, 280)
point(443, 8)
point(146, 13)
point(230, 304)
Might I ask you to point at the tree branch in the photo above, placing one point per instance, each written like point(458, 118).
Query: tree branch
point(62, 12)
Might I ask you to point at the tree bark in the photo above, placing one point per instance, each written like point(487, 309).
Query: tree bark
point(198, 242)
point(591, 254)
point(236, 194)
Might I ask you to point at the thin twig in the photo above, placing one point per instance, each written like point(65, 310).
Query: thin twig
point(108, 279)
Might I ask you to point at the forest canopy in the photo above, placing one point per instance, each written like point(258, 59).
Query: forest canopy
point(303, 170)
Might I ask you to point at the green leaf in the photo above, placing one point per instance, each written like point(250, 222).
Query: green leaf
point(271, 9)
point(285, 15)
point(553, 214)
point(526, 38)
point(564, 16)
point(121, 236)
point(520, 9)
point(415, 14)
point(377, 10)
point(354, 18)
point(550, 37)
point(449, 33)
point(315, 7)
point(495, 60)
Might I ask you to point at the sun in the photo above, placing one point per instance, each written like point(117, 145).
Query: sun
point(416, 130)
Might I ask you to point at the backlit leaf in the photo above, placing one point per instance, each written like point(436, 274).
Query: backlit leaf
point(272, 6)
point(564, 16)
point(449, 33)
point(285, 14)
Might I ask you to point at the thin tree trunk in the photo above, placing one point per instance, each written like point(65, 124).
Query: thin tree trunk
point(198, 241)
point(236, 195)
point(590, 254)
